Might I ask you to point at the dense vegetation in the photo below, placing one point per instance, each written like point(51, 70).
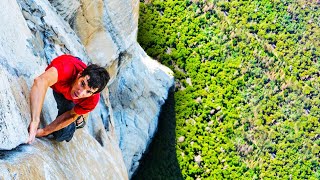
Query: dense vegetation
point(247, 75)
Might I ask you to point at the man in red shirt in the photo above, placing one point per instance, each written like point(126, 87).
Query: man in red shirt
point(76, 88)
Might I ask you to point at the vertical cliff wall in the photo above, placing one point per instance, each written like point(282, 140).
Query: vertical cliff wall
point(119, 129)
point(108, 30)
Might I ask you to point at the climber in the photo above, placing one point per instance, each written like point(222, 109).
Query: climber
point(76, 89)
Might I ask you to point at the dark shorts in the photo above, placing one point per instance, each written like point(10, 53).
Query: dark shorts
point(64, 105)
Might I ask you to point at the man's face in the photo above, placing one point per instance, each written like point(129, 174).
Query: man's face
point(80, 88)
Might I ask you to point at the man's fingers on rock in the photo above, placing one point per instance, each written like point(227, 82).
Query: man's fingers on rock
point(31, 139)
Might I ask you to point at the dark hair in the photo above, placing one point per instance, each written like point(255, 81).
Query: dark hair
point(99, 77)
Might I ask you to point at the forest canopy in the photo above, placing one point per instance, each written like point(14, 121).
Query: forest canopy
point(247, 84)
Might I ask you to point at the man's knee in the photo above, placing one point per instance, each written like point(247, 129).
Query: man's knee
point(63, 104)
point(65, 134)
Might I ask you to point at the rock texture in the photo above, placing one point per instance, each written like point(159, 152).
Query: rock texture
point(119, 129)
point(137, 95)
point(108, 30)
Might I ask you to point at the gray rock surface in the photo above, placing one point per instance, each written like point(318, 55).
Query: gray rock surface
point(136, 96)
point(119, 129)
point(108, 29)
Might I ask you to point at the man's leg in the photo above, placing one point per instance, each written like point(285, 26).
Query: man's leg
point(63, 106)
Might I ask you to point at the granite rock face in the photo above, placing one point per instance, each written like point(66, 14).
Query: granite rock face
point(119, 129)
point(108, 30)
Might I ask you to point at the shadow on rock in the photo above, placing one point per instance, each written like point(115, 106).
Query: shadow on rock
point(160, 160)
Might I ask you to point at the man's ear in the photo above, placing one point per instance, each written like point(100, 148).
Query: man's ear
point(79, 74)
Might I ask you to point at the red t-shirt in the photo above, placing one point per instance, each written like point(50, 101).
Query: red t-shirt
point(68, 68)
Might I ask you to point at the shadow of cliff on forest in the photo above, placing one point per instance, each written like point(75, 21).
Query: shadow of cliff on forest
point(160, 161)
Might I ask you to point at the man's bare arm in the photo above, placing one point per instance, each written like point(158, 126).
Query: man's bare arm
point(60, 122)
point(37, 94)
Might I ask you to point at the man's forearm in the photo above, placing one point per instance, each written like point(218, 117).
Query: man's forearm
point(60, 122)
point(37, 94)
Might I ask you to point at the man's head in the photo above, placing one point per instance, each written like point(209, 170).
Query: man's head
point(91, 80)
